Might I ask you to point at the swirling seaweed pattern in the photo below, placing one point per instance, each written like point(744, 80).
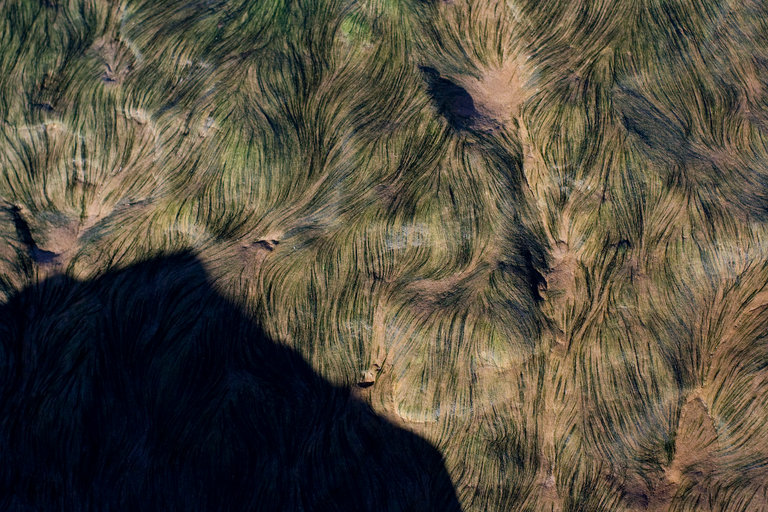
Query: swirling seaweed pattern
point(535, 230)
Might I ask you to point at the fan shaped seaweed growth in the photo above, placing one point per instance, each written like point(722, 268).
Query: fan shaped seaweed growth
point(530, 234)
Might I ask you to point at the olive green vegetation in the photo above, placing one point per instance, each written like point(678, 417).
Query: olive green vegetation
point(561, 284)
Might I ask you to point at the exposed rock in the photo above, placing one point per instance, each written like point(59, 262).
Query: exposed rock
point(367, 379)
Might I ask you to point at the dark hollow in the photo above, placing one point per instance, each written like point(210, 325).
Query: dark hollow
point(659, 137)
point(451, 100)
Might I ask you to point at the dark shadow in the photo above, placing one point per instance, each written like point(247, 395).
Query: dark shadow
point(451, 100)
point(146, 390)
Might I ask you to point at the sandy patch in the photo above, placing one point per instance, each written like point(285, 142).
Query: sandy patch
point(499, 92)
